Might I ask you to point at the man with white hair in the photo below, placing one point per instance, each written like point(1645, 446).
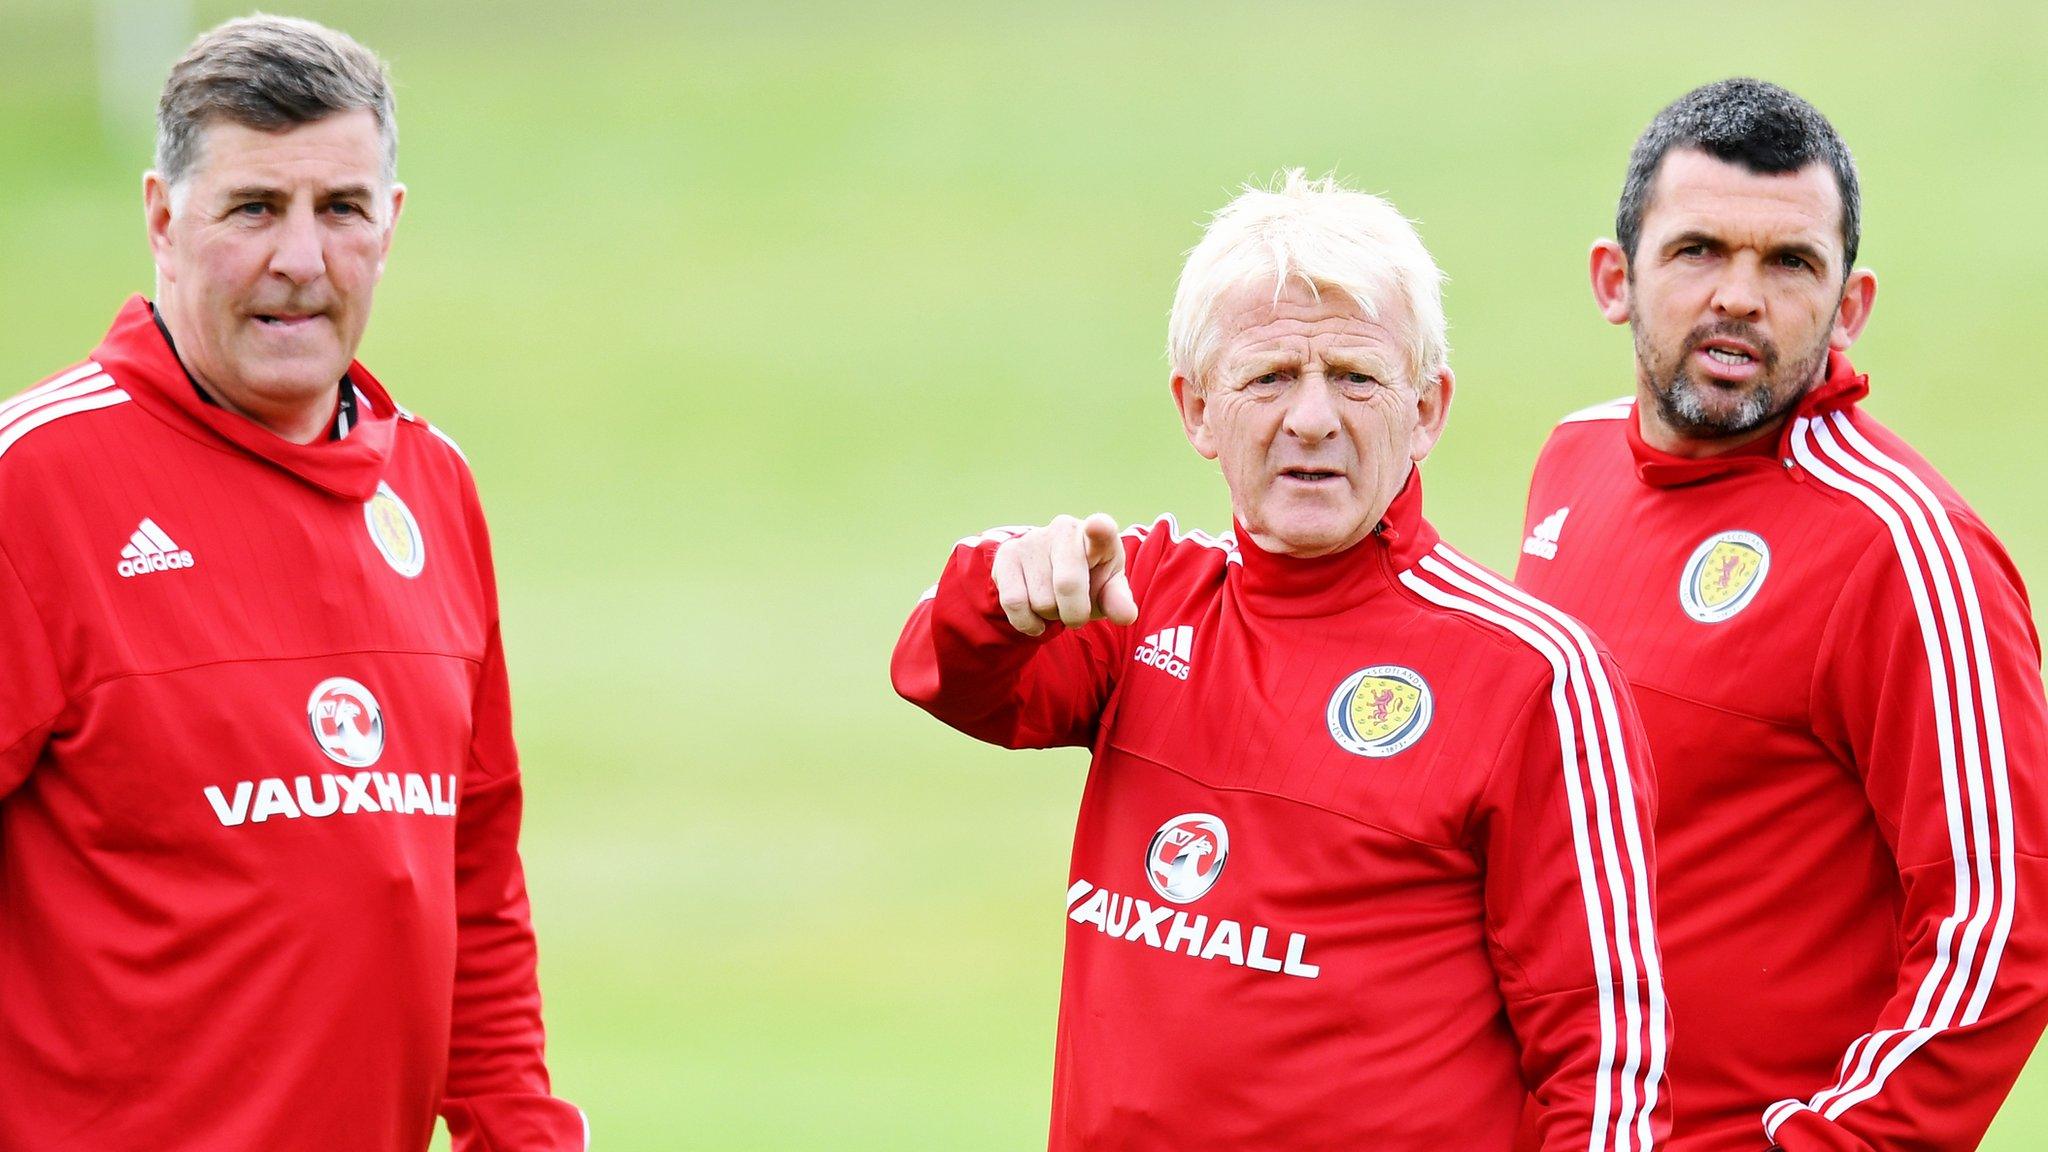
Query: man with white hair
point(1364, 857)
point(259, 802)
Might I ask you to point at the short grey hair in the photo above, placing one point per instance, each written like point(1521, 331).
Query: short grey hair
point(1329, 237)
point(270, 73)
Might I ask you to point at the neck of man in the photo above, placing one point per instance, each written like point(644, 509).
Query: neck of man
point(300, 423)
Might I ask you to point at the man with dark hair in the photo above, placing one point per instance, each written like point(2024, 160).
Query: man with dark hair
point(259, 802)
point(1834, 657)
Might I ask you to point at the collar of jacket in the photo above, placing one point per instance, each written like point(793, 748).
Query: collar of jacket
point(135, 355)
point(1273, 584)
point(1841, 388)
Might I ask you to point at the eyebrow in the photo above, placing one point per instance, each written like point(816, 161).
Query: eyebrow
point(1808, 252)
point(261, 192)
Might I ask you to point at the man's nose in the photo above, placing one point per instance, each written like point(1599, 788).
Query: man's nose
point(1311, 411)
point(1739, 292)
point(299, 256)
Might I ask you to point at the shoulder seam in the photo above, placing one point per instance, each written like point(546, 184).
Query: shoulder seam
point(1614, 409)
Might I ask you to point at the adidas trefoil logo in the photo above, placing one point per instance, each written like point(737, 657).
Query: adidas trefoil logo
point(1167, 650)
point(1543, 541)
point(151, 549)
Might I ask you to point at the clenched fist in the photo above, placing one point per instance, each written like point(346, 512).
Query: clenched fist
point(1070, 570)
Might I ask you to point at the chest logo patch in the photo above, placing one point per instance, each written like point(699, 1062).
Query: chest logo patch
point(347, 724)
point(1380, 711)
point(395, 533)
point(1723, 575)
point(1186, 856)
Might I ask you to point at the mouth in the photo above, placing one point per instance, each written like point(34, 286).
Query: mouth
point(286, 321)
point(1311, 475)
point(1728, 359)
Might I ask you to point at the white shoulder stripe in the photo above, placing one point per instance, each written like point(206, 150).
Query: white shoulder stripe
point(1226, 543)
point(1835, 453)
point(1583, 659)
point(448, 440)
point(53, 408)
point(1611, 410)
point(63, 388)
point(62, 379)
point(1586, 721)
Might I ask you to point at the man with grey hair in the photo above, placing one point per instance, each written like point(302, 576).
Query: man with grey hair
point(259, 801)
point(1835, 658)
point(1364, 856)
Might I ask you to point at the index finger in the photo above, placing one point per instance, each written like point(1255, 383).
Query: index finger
point(1100, 537)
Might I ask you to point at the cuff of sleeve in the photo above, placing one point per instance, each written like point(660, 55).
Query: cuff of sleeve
point(1805, 1130)
point(515, 1122)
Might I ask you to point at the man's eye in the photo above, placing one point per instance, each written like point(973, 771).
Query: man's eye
point(1796, 262)
point(1266, 381)
point(345, 208)
point(252, 208)
point(1360, 379)
point(1691, 250)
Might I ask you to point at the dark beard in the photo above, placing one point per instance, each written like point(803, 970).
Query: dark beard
point(1777, 390)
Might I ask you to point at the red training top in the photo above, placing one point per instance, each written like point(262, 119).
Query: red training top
point(1364, 849)
point(259, 883)
point(1841, 681)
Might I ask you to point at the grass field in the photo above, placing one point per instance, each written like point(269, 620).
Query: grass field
point(744, 315)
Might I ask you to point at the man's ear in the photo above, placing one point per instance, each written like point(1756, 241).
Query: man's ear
point(1194, 413)
point(1432, 412)
point(1608, 265)
point(156, 220)
point(1858, 294)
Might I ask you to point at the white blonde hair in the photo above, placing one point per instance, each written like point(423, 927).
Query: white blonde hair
point(1325, 235)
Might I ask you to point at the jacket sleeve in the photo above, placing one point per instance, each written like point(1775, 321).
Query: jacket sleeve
point(959, 659)
point(497, 1097)
point(1930, 687)
point(1568, 816)
point(31, 691)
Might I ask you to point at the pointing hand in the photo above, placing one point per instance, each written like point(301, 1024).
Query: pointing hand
point(1069, 570)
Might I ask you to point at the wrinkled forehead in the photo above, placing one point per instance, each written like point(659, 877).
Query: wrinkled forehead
point(1697, 194)
point(344, 149)
point(1263, 317)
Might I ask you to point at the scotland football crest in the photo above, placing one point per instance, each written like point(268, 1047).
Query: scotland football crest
point(347, 723)
point(1186, 856)
point(1723, 576)
point(1380, 711)
point(395, 533)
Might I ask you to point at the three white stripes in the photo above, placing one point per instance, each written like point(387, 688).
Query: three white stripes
point(82, 389)
point(1582, 700)
point(147, 540)
point(1836, 454)
point(1177, 641)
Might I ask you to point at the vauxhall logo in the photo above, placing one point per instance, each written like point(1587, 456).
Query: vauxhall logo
point(1184, 860)
point(347, 725)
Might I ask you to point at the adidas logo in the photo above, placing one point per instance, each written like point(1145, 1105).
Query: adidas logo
point(151, 550)
point(1543, 541)
point(1167, 650)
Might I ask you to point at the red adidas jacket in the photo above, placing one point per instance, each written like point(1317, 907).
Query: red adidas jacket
point(1841, 683)
point(1363, 859)
point(259, 803)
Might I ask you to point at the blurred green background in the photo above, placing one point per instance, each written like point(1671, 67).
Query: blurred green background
point(745, 312)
